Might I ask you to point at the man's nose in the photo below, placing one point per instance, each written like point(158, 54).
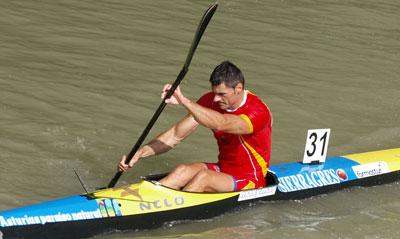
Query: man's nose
point(217, 98)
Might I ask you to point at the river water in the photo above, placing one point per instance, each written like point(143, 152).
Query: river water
point(79, 81)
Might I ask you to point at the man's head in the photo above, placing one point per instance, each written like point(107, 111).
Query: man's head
point(227, 73)
point(227, 83)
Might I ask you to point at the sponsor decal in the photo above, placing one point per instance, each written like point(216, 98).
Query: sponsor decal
point(103, 208)
point(341, 174)
point(163, 203)
point(307, 180)
point(109, 208)
point(371, 169)
point(257, 193)
point(59, 217)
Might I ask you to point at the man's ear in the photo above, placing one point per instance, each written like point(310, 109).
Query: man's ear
point(238, 88)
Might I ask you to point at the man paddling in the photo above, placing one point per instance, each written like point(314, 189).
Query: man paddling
point(241, 124)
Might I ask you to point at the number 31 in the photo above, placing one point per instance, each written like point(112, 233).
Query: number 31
point(316, 145)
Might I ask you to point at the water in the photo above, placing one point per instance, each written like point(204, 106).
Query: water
point(79, 81)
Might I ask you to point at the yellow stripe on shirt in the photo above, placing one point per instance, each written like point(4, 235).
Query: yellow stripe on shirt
point(257, 156)
point(250, 185)
point(246, 118)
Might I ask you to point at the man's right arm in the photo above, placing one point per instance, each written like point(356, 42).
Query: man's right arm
point(163, 142)
point(172, 137)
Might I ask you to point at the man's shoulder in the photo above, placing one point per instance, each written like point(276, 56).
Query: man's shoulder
point(257, 111)
point(255, 101)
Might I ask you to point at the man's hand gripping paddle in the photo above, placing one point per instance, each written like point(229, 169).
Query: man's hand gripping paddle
point(199, 32)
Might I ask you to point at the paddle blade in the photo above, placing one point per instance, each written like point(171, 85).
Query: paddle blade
point(199, 32)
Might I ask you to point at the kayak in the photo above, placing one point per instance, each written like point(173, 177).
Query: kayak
point(147, 204)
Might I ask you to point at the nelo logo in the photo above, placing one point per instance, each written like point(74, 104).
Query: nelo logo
point(341, 174)
point(162, 204)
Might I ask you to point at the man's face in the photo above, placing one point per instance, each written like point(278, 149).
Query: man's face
point(227, 97)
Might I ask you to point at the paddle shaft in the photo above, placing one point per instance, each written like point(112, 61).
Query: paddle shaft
point(200, 30)
point(146, 131)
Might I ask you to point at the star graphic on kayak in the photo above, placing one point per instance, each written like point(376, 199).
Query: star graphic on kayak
point(128, 191)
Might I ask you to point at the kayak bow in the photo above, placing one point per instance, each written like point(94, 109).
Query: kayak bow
point(148, 204)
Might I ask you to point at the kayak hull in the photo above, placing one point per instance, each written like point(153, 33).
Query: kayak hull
point(88, 228)
point(148, 204)
point(366, 182)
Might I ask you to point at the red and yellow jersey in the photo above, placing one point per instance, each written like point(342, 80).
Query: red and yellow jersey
point(244, 156)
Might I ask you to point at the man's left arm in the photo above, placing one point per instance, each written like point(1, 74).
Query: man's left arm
point(228, 123)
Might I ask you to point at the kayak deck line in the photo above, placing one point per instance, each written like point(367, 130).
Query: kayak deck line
point(390, 156)
point(147, 204)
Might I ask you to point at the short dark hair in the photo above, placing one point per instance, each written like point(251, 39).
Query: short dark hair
point(227, 73)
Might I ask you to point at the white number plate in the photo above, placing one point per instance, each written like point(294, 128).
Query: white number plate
point(316, 145)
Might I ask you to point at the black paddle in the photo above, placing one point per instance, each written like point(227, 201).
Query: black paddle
point(199, 32)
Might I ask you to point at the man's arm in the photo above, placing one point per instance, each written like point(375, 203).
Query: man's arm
point(175, 135)
point(232, 124)
point(164, 142)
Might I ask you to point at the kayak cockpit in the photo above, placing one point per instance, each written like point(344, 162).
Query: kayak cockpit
point(271, 179)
